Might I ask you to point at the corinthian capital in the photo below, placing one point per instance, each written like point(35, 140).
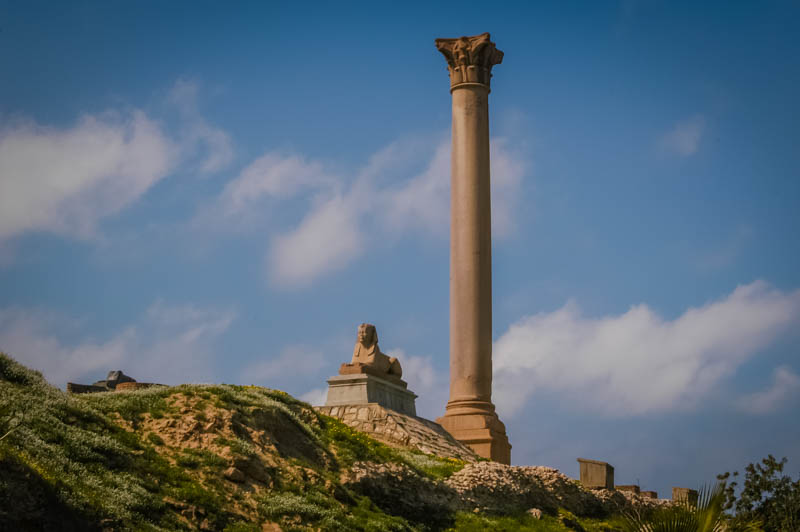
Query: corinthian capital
point(470, 59)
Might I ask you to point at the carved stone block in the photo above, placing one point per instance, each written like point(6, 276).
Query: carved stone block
point(364, 388)
point(596, 474)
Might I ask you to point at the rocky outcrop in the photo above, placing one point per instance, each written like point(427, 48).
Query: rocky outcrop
point(488, 487)
point(115, 381)
point(401, 430)
point(499, 488)
point(398, 490)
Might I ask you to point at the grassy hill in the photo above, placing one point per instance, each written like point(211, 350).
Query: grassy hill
point(208, 457)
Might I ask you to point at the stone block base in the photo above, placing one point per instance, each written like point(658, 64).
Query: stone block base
point(363, 388)
point(596, 474)
point(484, 433)
point(685, 496)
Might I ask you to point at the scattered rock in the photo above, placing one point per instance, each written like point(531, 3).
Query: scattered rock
point(255, 469)
point(535, 513)
point(514, 489)
point(399, 490)
point(234, 475)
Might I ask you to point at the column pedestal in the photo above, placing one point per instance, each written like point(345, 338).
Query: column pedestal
point(479, 429)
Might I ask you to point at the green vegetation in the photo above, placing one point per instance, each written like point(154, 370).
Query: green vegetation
point(705, 516)
point(85, 462)
point(768, 496)
point(564, 521)
point(431, 466)
point(320, 510)
point(353, 446)
point(232, 457)
point(469, 522)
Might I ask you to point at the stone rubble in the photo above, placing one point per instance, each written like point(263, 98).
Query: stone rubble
point(501, 488)
point(401, 430)
point(489, 487)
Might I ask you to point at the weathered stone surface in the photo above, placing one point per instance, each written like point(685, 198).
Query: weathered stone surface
point(129, 386)
point(365, 388)
point(489, 487)
point(650, 494)
point(684, 495)
point(85, 388)
point(596, 474)
point(234, 475)
point(500, 488)
point(470, 415)
point(371, 377)
point(115, 381)
point(368, 358)
point(400, 491)
point(470, 59)
point(398, 429)
point(629, 487)
point(535, 513)
point(114, 378)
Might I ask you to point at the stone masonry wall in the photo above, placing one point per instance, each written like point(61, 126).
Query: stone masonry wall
point(400, 430)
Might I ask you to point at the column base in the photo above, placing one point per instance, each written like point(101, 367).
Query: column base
point(478, 428)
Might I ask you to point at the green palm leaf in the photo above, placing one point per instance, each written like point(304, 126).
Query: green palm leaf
point(705, 516)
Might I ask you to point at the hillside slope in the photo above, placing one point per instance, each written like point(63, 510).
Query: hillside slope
point(236, 458)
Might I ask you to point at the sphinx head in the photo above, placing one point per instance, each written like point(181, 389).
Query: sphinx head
point(367, 335)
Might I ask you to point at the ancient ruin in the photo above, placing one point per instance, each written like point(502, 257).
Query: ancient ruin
point(596, 474)
point(684, 496)
point(116, 381)
point(368, 358)
point(371, 377)
point(470, 415)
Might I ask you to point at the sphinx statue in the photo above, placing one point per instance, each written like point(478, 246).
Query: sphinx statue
point(367, 356)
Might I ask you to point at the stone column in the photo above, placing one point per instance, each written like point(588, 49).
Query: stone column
point(470, 415)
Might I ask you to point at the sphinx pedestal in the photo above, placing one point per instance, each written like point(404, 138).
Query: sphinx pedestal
point(364, 388)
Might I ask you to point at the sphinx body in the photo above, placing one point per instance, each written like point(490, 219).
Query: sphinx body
point(367, 356)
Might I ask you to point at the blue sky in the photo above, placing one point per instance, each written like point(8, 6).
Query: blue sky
point(213, 193)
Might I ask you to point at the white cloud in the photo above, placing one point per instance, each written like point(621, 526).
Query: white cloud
point(423, 202)
point(315, 397)
point(684, 138)
point(272, 176)
point(200, 139)
point(509, 165)
point(637, 362)
point(327, 240)
point(65, 181)
point(269, 371)
point(785, 387)
point(431, 386)
point(345, 216)
point(169, 345)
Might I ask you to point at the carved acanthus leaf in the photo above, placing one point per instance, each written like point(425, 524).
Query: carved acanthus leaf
point(470, 59)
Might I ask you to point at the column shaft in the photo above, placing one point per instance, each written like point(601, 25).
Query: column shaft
point(470, 415)
point(470, 248)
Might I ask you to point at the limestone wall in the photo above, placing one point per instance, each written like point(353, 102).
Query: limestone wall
point(400, 430)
